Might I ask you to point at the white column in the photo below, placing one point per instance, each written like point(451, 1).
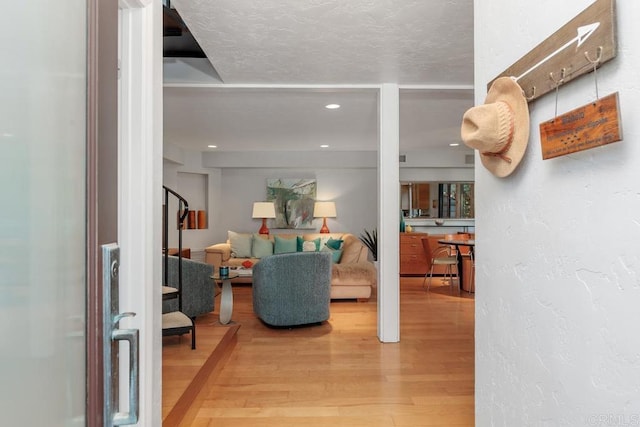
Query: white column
point(389, 215)
point(140, 194)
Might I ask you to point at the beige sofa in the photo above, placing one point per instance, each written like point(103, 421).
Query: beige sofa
point(353, 276)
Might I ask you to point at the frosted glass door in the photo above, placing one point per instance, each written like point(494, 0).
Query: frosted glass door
point(42, 213)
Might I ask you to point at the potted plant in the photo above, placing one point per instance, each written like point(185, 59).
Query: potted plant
point(370, 240)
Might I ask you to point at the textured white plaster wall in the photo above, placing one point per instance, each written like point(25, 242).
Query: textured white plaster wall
point(558, 295)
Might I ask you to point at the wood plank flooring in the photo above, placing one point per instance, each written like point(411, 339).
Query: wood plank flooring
point(185, 371)
point(339, 374)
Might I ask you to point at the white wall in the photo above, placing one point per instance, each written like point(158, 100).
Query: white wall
point(558, 293)
point(237, 179)
point(232, 191)
point(353, 190)
point(182, 163)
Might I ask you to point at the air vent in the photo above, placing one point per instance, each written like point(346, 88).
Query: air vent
point(468, 159)
point(403, 158)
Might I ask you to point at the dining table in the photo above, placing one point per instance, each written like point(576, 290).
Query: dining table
point(470, 243)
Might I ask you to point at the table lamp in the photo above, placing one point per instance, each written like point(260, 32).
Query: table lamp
point(264, 210)
point(324, 210)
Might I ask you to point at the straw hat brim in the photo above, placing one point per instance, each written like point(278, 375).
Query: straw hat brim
point(508, 90)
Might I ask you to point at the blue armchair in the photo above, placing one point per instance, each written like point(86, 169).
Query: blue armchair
point(293, 288)
point(197, 287)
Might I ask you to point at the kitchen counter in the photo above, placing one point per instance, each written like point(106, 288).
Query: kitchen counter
point(449, 225)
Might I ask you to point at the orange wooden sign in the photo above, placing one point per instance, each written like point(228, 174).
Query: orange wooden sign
point(590, 126)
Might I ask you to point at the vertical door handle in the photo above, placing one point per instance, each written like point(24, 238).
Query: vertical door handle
point(112, 336)
point(132, 336)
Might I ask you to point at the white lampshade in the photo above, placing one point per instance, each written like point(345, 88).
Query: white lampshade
point(264, 210)
point(324, 210)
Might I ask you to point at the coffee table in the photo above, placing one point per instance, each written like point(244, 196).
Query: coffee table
point(226, 297)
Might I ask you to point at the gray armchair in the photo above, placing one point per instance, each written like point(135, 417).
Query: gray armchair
point(293, 288)
point(197, 287)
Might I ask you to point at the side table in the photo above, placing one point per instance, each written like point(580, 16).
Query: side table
point(226, 297)
point(186, 252)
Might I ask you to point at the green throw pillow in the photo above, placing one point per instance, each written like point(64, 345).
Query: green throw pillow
point(336, 254)
point(261, 247)
point(300, 243)
point(334, 243)
point(283, 246)
point(240, 244)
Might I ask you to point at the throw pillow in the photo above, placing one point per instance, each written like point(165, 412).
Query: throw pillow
point(261, 247)
point(309, 246)
point(283, 246)
point(336, 254)
point(247, 264)
point(300, 243)
point(335, 243)
point(324, 240)
point(240, 244)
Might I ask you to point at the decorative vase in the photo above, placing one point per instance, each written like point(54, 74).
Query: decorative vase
point(202, 219)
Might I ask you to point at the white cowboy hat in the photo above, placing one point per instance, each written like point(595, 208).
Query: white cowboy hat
point(499, 128)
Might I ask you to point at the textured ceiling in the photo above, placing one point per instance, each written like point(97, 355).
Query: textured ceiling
point(335, 41)
point(340, 44)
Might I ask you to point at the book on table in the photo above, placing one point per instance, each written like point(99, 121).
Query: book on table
point(243, 272)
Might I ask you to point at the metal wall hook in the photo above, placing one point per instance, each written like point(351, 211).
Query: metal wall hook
point(598, 56)
point(563, 74)
point(595, 66)
point(533, 94)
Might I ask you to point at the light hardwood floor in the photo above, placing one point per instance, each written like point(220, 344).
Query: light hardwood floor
point(339, 374)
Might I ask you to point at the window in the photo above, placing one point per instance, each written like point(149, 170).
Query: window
point(456, 200)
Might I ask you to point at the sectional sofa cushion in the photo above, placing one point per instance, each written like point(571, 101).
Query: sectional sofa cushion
point(351, 249)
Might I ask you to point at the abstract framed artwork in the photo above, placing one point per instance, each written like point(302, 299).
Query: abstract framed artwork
point(293, 199)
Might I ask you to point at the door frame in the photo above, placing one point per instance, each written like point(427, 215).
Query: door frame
point(129, 129)
point(101, 197)
point(140, 193)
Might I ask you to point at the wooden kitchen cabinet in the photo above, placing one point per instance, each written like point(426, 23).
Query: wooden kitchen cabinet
point(421, 197)
point(413, 260)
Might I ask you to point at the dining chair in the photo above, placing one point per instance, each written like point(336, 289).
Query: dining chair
point(440, 256)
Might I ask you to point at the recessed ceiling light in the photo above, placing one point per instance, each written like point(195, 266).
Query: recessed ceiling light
point(212, 146)
point(454, 144)
point(324, 146)
point(332, 106)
